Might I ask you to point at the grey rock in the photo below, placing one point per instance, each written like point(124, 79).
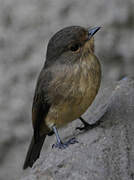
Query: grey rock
point(103, 153)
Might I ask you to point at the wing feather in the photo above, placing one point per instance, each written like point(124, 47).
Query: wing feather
point(41, 105)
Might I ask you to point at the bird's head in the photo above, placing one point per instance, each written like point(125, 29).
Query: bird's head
point(69, 44)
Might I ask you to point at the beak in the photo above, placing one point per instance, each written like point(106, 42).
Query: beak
point(92, 31)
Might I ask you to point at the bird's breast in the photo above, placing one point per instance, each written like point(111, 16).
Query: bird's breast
point(89, 81)
point(76, 91)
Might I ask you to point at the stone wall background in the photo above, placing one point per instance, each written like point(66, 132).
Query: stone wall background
point(25, 28)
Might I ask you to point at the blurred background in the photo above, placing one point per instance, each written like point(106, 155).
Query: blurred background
point(25, 28)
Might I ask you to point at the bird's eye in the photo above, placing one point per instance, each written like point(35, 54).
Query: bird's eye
point(75, 47)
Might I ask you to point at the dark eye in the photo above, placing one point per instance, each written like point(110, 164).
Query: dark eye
point(75, 47)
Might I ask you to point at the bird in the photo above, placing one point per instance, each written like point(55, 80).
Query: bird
point(67, 85)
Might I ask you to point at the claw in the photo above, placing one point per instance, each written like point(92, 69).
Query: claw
point(62, 145)
point(84, 128)
point(87, 126)
point(59, 145)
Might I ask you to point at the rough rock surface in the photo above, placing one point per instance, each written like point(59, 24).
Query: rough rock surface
point(25, 28)
point(103, 153)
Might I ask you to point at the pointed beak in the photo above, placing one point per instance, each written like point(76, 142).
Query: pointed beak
point(92, 31)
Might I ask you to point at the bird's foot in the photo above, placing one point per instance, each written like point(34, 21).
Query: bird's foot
point(86, 127)
point(61, 145)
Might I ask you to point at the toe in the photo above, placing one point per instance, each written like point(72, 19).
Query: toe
point(80, 128)
point(59, 145)
point(64, 145)
point(72, 141)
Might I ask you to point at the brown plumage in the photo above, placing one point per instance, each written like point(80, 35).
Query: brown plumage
point(66, 87)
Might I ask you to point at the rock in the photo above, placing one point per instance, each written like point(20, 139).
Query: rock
point(103, 153)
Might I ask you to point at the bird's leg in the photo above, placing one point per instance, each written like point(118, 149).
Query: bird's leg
point(59, 143)
point(87, 126)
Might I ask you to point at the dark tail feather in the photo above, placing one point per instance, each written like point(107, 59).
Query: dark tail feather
point(33, 152)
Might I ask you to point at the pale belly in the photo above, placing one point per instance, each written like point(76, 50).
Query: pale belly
point(78, 97)
point(68, 111)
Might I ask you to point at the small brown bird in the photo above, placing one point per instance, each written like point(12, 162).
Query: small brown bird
point(66, 87)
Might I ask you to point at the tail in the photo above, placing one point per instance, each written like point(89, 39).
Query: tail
point(33, 152)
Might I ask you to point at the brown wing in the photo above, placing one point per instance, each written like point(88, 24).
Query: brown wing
point(40, 104)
